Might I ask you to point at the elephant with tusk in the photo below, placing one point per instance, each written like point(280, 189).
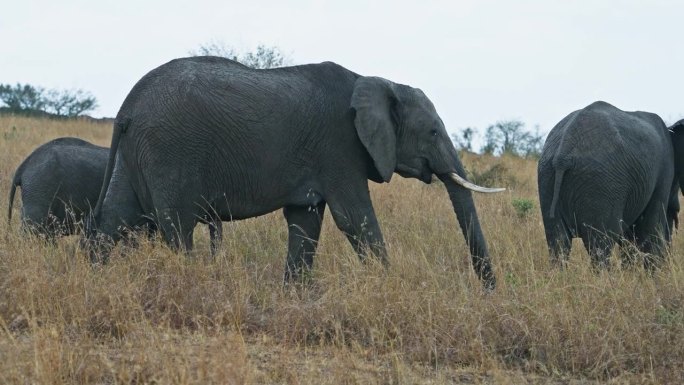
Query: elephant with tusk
point(209, 135)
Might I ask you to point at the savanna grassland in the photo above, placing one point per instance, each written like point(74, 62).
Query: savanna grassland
point(153, 316)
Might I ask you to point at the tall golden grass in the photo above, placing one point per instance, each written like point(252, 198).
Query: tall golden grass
point(153, 316)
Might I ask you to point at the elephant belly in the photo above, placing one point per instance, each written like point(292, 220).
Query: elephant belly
point(243, 205)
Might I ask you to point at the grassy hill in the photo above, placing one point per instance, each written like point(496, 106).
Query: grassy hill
point(152, 316)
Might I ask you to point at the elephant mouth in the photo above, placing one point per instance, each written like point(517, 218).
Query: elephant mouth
point(422, 173)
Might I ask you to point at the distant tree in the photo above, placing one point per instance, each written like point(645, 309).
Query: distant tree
point(463, 140)
point(69, 103)
point(532, 145)
point(28, 99)
point(510, 137)
point(263, 57)
point(22, 97)
point(215, 49)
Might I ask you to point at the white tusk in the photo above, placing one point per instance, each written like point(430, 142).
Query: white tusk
point(472, 186)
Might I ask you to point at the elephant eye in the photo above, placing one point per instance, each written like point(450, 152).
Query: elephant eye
point(433, 133)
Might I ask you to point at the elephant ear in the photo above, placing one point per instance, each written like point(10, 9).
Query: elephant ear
point(374, 99)
point(678, 127)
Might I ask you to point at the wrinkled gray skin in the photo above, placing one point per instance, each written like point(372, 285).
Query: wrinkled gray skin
point(207, 137)
point(60, 181)
point(608, 176)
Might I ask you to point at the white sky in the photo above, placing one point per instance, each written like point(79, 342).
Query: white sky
point(478, 61)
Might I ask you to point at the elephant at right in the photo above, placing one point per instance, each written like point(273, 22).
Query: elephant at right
point(611, 177)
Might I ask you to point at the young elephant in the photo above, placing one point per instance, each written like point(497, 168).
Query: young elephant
point(60, 182)
point(610, 176)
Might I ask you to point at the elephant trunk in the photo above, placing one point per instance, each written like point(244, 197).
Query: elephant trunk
point(464, 207)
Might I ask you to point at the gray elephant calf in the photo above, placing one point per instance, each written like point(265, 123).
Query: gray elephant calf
point(60, 182)
point(610, 176)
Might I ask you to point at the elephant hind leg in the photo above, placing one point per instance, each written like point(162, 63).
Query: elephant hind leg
point(628, 245)
point(652, 235)
point(38, 221)
point(177, 227)
point(558, 240)
point(304, 229)
point(599, 245)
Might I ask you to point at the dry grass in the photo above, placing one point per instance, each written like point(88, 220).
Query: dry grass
point(152, 316)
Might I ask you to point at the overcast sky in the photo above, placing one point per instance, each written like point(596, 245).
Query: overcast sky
point(478, 61)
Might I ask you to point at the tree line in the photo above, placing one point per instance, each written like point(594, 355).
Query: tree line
point(507, 137)
point(32, 100)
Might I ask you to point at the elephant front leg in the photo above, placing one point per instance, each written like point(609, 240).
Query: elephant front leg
point(360, 225)
point(304, 229)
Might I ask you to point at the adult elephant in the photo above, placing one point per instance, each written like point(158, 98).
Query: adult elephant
point(208, 136)
point(610, 176)
point(60, 182)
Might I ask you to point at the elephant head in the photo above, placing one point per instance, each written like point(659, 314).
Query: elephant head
point(677, 136)
point(402, 132)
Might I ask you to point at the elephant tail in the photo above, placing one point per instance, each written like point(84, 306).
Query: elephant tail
point(556, 190)
point(120, 127)
point(16, 181)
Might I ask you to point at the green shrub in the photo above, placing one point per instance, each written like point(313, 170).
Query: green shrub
point(523, 206)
